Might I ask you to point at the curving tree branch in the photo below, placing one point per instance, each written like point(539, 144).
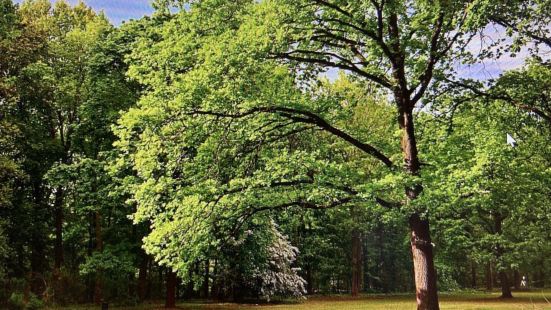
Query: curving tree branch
point(308, 118)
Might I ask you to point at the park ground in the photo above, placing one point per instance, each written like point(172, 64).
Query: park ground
point(535, 300)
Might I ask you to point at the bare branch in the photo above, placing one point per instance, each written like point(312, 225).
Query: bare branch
point(346, 65)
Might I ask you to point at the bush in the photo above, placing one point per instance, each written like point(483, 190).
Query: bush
point(17, 302)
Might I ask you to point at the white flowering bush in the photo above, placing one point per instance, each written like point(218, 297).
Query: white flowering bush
point(279, 278)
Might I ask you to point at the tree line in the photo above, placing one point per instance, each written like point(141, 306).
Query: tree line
point(212, 151)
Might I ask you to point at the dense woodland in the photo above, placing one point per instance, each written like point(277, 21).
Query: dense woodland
point(212, 151)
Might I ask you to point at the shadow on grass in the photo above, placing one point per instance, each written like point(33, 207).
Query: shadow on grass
point(536, 299)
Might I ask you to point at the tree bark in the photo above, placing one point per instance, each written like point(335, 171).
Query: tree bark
point(382, 266)
point(489, 277)
point(98, 286)
point(473, 275)
point(505, 286)
point(58, 220)
point(503, 278)
point(38, 243)
point(309, 280)
point(420, 240)
point(357, 262)
point(206, 280)
point(423, 264)
point(541, 274)
point(142, 277)
point(215, 282)
point(516, 279)
point(90, 279)
point(170, 289)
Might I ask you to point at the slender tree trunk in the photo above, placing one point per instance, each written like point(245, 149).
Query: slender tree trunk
point(58, 220)
point(58, 287)
point(206, 280)
point(489, 277)
point(189, 291)
point(38, 265)
point(505, 286)
point(170, 289)
point(473, 275)
point(215, 283)
point(38, 242)
point(516, 279)
point(142, 277)
point(98, 287)
point(382, 270)
point(357, 262)
point(366, 282)
point(541, 274)
point(503, 278)
point(420, 240)
point(309, 280)
point(90, 281)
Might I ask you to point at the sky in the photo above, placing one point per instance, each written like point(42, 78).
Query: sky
point(117, 10)
point(120, 10)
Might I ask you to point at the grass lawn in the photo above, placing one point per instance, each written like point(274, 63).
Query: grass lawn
point(458, 301)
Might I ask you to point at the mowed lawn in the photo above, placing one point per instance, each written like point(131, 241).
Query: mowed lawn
point(458, 301)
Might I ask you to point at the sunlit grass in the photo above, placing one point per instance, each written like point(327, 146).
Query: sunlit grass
point(538, 300)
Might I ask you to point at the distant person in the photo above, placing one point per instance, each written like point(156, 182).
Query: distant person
point(523, 282)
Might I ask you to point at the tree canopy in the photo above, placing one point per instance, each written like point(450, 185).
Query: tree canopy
point(271, 149)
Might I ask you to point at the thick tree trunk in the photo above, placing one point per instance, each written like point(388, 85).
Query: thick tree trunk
point(357, 262)
point(170, 289)
point(423, 264)
point(505, 286)
point(421, 244)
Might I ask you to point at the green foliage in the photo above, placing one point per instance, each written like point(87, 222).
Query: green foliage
point(18, 301)
point(209, 139)
point(112, 261)
point(484, 189)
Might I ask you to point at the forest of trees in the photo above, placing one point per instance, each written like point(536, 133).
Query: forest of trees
point(244, 150)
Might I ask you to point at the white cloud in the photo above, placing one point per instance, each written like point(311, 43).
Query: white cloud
point(493, 68)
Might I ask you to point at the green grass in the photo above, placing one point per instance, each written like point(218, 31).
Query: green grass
point(538, 300)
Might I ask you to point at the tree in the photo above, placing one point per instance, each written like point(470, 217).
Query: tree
point(251, 168)
point(526, 89)
point(93, 196)
point(388, 43)
point(489, 184)
point(525, 21)
point(23, 211)
point(198, 160)
point(63, 82)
